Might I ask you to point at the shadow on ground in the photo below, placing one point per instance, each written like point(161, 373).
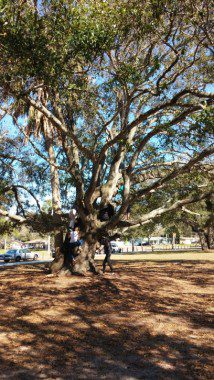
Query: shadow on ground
point(148, 321)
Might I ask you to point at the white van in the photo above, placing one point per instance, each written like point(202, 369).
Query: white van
point(116, 248)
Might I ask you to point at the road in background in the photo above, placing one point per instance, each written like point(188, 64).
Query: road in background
point(146, 256)
point(29, 262)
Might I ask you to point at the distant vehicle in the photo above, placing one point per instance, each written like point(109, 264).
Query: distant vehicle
point(19, 254)
point(138, 243)
point(164, 242)
point(146, 243)
point(115, 247)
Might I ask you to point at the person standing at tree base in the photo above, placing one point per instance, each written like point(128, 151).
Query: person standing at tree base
point(108, 252)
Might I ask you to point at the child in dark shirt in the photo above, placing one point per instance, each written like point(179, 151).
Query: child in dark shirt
point(108, 251)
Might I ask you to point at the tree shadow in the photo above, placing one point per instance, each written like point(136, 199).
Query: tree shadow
point(106, 328)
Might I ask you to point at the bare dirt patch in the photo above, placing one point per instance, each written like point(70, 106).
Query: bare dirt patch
point(148, 321)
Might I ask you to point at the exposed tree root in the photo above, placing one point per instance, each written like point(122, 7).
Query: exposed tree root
point(57, 264)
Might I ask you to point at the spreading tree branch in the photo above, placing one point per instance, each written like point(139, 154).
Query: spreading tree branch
point(147, 218)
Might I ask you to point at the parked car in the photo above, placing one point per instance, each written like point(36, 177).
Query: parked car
point(146, 243)
point(115, 247)
point(19, 254)
point(138, 243)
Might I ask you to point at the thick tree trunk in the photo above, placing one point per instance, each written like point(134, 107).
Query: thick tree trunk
point(83, 255)
point(85, 260)
point(58, 262)
point(210, 237)
point(206, 233)
point(203, 240)
point(82, 263)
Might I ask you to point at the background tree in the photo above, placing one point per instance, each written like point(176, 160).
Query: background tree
point(200, 217)
point(196, 218)
point(118, 92)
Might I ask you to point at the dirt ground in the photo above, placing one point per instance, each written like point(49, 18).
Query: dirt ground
point(149, 320)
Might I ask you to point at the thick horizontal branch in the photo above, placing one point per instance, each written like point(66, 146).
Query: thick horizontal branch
point(42, 222)
point(15, 218)
point(147, 218)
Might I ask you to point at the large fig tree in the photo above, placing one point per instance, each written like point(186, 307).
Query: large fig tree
point(119, 94)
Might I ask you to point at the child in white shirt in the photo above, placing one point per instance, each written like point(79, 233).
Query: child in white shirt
point(72, 217)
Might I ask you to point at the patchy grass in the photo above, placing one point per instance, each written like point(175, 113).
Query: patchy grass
point(147, 321)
